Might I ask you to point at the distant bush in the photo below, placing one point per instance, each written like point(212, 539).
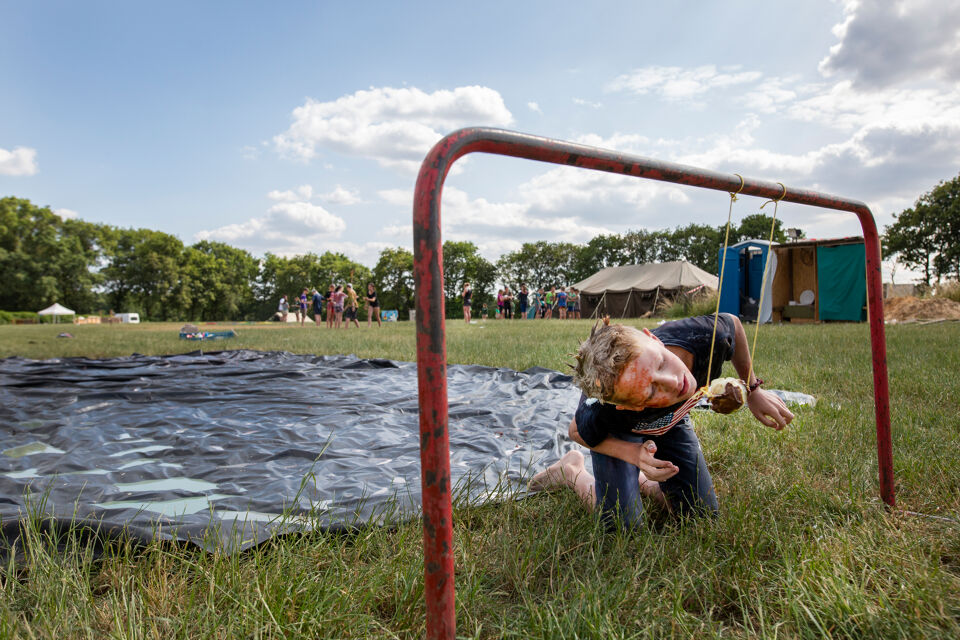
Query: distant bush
point(8, 317)
point(688, 306)
point(950, 290)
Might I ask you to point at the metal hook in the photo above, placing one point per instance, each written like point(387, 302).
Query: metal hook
point(776, 200)
point(734, 194)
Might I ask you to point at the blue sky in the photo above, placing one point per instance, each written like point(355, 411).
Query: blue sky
point(296, 127)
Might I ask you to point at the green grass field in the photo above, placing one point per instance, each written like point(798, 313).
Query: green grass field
point(803, 547)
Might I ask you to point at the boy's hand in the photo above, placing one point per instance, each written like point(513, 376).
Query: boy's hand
point(769, 409)
point(653, 468)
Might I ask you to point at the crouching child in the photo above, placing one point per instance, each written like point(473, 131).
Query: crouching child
point(633, 382)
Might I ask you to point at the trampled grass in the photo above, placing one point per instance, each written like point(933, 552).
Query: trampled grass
point(802, 548)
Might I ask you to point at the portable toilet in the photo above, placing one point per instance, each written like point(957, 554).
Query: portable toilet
point(742, 266)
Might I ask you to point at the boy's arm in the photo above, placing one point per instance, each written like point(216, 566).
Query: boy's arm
point(766, 407)
point(640, 455)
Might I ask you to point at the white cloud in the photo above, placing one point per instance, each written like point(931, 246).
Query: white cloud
point(884, 42)
point(608, 199)
point(287, 228)
point(586, 103)
point(395, 127)
point(66, 214)
point(533, 106)
point(341, 196)
point(677, 83)
point(397, 197)
point(303, 193)
point(19, 162)
point(400, 231)
point(771, 94)
point(501, 224)
point(366, 253)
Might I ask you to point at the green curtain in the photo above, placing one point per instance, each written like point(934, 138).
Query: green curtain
point(842, 282)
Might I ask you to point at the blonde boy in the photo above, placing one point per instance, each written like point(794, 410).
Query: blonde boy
point(632, 382)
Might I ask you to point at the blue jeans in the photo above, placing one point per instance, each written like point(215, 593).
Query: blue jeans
point(690, 492)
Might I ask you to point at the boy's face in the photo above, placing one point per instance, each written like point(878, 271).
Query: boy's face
point(655, 377)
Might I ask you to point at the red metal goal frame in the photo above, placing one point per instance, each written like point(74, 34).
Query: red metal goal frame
point(431, 331)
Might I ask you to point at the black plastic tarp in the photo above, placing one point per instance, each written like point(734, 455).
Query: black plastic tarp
point(213, 448)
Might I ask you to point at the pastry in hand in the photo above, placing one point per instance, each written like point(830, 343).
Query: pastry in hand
point(727, 394)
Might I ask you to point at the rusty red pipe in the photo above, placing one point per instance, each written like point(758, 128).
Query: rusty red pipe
point(431, 332)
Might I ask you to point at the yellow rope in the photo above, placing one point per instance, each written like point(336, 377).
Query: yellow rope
point(766, 269)
point(723, 264)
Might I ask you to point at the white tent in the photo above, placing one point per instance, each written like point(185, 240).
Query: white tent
point(56, 309)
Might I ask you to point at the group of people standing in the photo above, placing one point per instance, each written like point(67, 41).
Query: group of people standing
point(524, 304)
point(341, 304)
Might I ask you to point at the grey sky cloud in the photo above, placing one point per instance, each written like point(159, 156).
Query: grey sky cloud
point(884, 43)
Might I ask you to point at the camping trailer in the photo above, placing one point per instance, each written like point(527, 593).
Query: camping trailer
point(129, 318)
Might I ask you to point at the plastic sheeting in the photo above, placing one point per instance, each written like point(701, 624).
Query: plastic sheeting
point(225, 449)
point(213, 448)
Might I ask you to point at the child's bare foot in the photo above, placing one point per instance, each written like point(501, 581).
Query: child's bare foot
point(561, 473)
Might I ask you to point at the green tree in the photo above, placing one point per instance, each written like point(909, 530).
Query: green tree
point(539, 264)
point(698, 244)
point(602, 251)
point(463, 263)
point(336, 268)
point(927, 236)
point(393, 277)
point(45, 259)
point(756, 226)
point(644, 246)
point(290, 276)
point(219, 280)
point(145, 274)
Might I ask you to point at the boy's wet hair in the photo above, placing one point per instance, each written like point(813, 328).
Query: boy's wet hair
point(602, 357)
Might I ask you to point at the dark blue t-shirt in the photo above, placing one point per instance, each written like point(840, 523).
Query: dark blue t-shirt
point(317, 302)
point(596, 420)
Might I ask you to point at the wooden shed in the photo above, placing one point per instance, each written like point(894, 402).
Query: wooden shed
point(820, 280)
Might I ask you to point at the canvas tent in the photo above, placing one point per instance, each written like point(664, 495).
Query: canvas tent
point(55, 310)
point(632, 290)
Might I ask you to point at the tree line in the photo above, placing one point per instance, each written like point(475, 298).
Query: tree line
point(926, 237)
point(93, 268)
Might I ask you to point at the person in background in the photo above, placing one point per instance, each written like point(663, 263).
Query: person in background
point(538, 299)
point(284, 309)
point(549, 300)
point(296, 308)
point(573, 304)
point(338, 297)
point(562, 303)
point(303, 307)
point(373, 305)
point(331, 314)
point(483, 311)
point(507, 303)
point(350, 311)
point(467, 295)
point(523, 299)
point(317, 308)
point(499, 303)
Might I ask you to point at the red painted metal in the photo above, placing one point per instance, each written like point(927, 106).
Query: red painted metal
point(431, 333)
